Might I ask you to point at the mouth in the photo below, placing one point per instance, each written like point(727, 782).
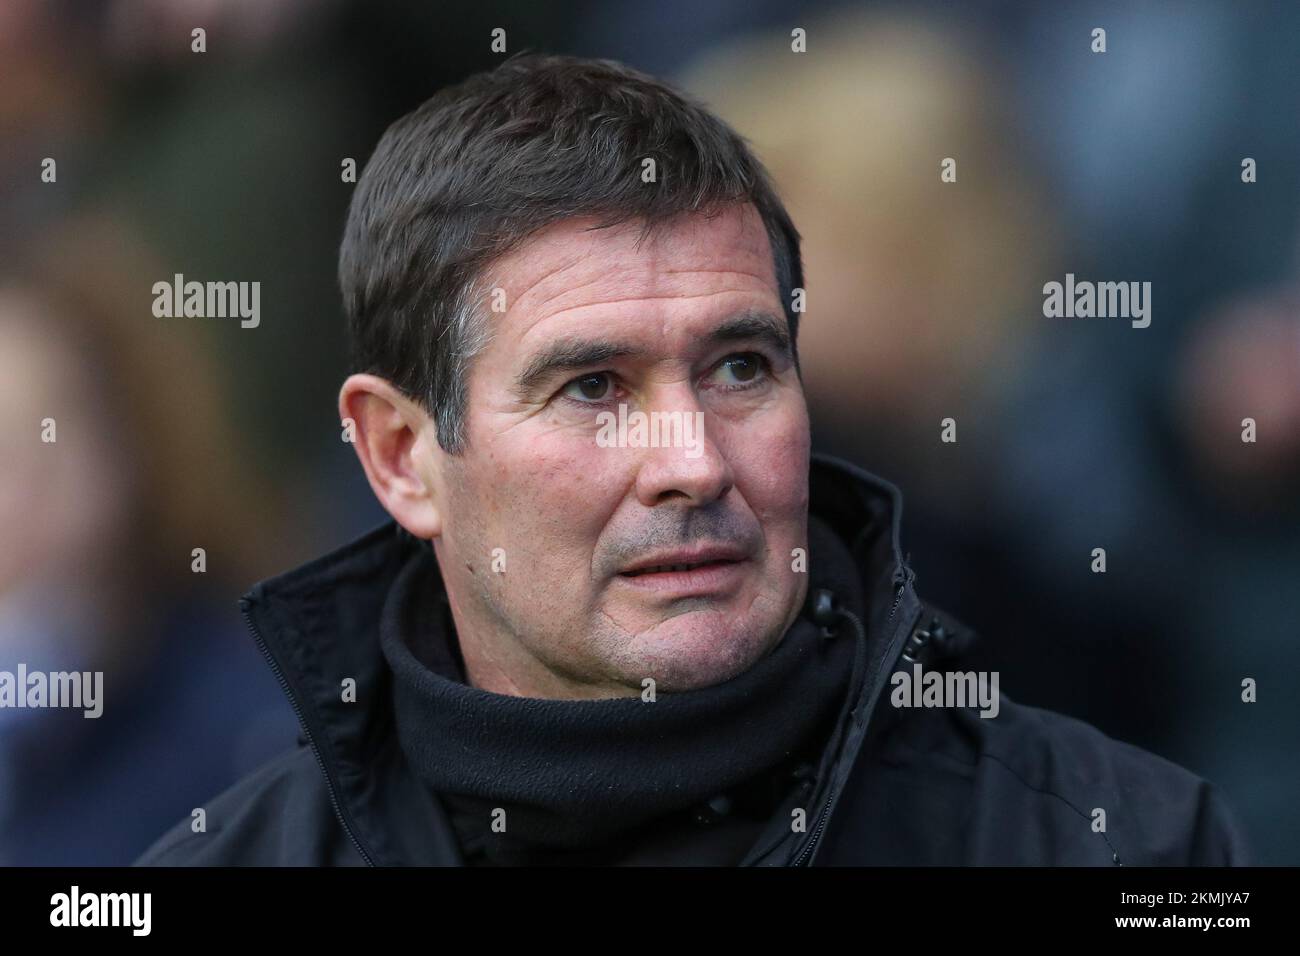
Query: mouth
point(685, 560)
point(674, 568)
point(706, 572)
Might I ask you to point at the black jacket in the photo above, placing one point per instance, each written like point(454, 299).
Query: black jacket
point(893, 785)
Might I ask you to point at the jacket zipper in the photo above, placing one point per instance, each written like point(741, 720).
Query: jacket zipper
point(824, 813)
point(311, 740)
point(817, 835)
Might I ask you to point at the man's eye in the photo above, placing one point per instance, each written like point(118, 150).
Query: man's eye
point(595, 387)
point(743, 368)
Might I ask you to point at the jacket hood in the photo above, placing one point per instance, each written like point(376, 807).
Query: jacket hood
point(318, 626)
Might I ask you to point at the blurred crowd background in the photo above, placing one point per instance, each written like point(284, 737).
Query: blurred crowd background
point(924, 302)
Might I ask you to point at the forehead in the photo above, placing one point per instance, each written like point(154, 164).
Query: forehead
point(569, 265)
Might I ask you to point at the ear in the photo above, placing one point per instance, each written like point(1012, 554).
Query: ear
point(393, 436)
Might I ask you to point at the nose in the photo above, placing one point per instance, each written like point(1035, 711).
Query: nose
point(694, 469)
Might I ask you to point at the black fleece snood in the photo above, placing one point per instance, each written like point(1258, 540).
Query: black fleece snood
point(528, 774)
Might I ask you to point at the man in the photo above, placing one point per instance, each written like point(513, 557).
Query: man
point(588, 639)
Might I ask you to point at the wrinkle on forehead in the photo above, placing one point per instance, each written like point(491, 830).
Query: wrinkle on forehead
point(564, 268)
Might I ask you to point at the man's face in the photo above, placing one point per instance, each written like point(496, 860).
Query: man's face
point(688, 322)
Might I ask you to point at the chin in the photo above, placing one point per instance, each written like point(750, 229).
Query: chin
point(696, 656)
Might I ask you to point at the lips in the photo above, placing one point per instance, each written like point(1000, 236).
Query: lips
point(683, 561)
point(662, 568)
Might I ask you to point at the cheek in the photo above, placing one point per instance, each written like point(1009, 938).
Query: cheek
point(771, 464)
point(552, 493)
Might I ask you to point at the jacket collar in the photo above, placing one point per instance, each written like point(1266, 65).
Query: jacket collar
point(318, 626)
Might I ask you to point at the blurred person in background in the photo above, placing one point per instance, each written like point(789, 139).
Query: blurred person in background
point(1238, 555)
point(919, 292)
point(1126, 439)
point(97, 569)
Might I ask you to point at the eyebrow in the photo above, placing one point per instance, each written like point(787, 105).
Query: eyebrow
point(754, 325)
point(572, 355)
